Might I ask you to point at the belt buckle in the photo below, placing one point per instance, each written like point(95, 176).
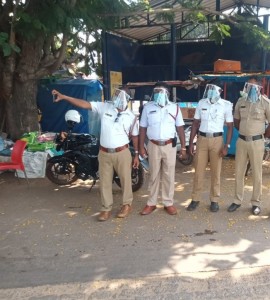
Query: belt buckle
point(111, 150)
point(249, 138)
point(209, 134)
point(162, 143)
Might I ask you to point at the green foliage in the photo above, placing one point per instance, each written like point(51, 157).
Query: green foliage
point(49, 20)
point(6, 47)
point(255, 35)
point(195, 17)
point(219, 32)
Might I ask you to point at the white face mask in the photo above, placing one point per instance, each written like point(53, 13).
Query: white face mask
point(160, 96)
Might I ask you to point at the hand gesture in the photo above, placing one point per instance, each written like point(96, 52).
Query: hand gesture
point(57, 96)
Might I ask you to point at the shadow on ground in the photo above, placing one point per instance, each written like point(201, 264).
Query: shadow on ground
point(50, 236)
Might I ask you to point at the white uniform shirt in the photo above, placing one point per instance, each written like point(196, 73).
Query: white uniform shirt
point(115, 127)
point(161, 121)
point(213, 116)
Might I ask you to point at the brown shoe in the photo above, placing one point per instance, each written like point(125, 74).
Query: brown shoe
point(125, 210)
point(148, 209)
point(171, 210)
point(104, 216)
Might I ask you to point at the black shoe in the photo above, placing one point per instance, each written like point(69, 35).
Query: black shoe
point(233, 207)
point(256, 210)
point(193, 205)
point(214, 207)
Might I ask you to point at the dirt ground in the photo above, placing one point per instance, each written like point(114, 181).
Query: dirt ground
point(53, 247)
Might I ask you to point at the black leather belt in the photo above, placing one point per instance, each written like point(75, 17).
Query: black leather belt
point(161, 143)
point(210, 134)
point(249, 138)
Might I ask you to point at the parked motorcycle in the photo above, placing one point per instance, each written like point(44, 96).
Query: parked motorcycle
point(80, 161)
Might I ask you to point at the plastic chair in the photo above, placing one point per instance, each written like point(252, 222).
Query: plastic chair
point(16, 162)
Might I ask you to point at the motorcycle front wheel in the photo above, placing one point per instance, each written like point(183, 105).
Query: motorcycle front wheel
point(186, 162)
point(137, 178)
point(61, 172)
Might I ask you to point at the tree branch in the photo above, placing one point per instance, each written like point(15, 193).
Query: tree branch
point(53, 64)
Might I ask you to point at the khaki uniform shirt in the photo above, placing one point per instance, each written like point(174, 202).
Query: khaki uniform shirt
point(252, 116)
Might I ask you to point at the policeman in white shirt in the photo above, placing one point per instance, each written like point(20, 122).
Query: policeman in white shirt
point(161, 120)
point(210, 115)
point(118, 124)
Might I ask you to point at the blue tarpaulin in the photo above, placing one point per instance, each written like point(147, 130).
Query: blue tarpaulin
point(53, 114)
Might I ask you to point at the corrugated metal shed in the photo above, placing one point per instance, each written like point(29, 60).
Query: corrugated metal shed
point(144, 26)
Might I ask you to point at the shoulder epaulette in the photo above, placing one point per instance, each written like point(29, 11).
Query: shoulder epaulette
point(265, 98)
point(148, 103)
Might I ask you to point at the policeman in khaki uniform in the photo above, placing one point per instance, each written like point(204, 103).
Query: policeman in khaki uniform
point(118, 123)
point(210, 115)
point(252, 111)
point(161, 120)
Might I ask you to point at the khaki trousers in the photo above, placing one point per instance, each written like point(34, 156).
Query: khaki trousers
point(121, 163)
point(207, 149)
point(252, 151)
point(162, 169)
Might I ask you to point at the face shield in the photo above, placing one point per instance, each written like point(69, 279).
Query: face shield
point(251, 92)
point(120, 99)
point(212, 92)
point(160, 96)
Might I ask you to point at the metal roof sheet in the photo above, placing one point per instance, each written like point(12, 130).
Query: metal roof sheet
point(144, 26)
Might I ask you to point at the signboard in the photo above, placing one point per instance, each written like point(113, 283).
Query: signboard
point(115, 80)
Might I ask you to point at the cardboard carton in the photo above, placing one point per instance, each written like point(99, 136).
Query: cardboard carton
point(227, 66)
point(188, 112)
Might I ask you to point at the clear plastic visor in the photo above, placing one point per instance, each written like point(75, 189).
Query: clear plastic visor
point(251, 92)
point(120, 99)
point(121, 95)
point(159, 91)
point(212, 91)
point(251, 88)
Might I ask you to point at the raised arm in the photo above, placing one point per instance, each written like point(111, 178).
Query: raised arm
point(74, 101)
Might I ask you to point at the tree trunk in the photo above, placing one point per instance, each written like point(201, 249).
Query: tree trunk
point(21, 110)
point(21, 107)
